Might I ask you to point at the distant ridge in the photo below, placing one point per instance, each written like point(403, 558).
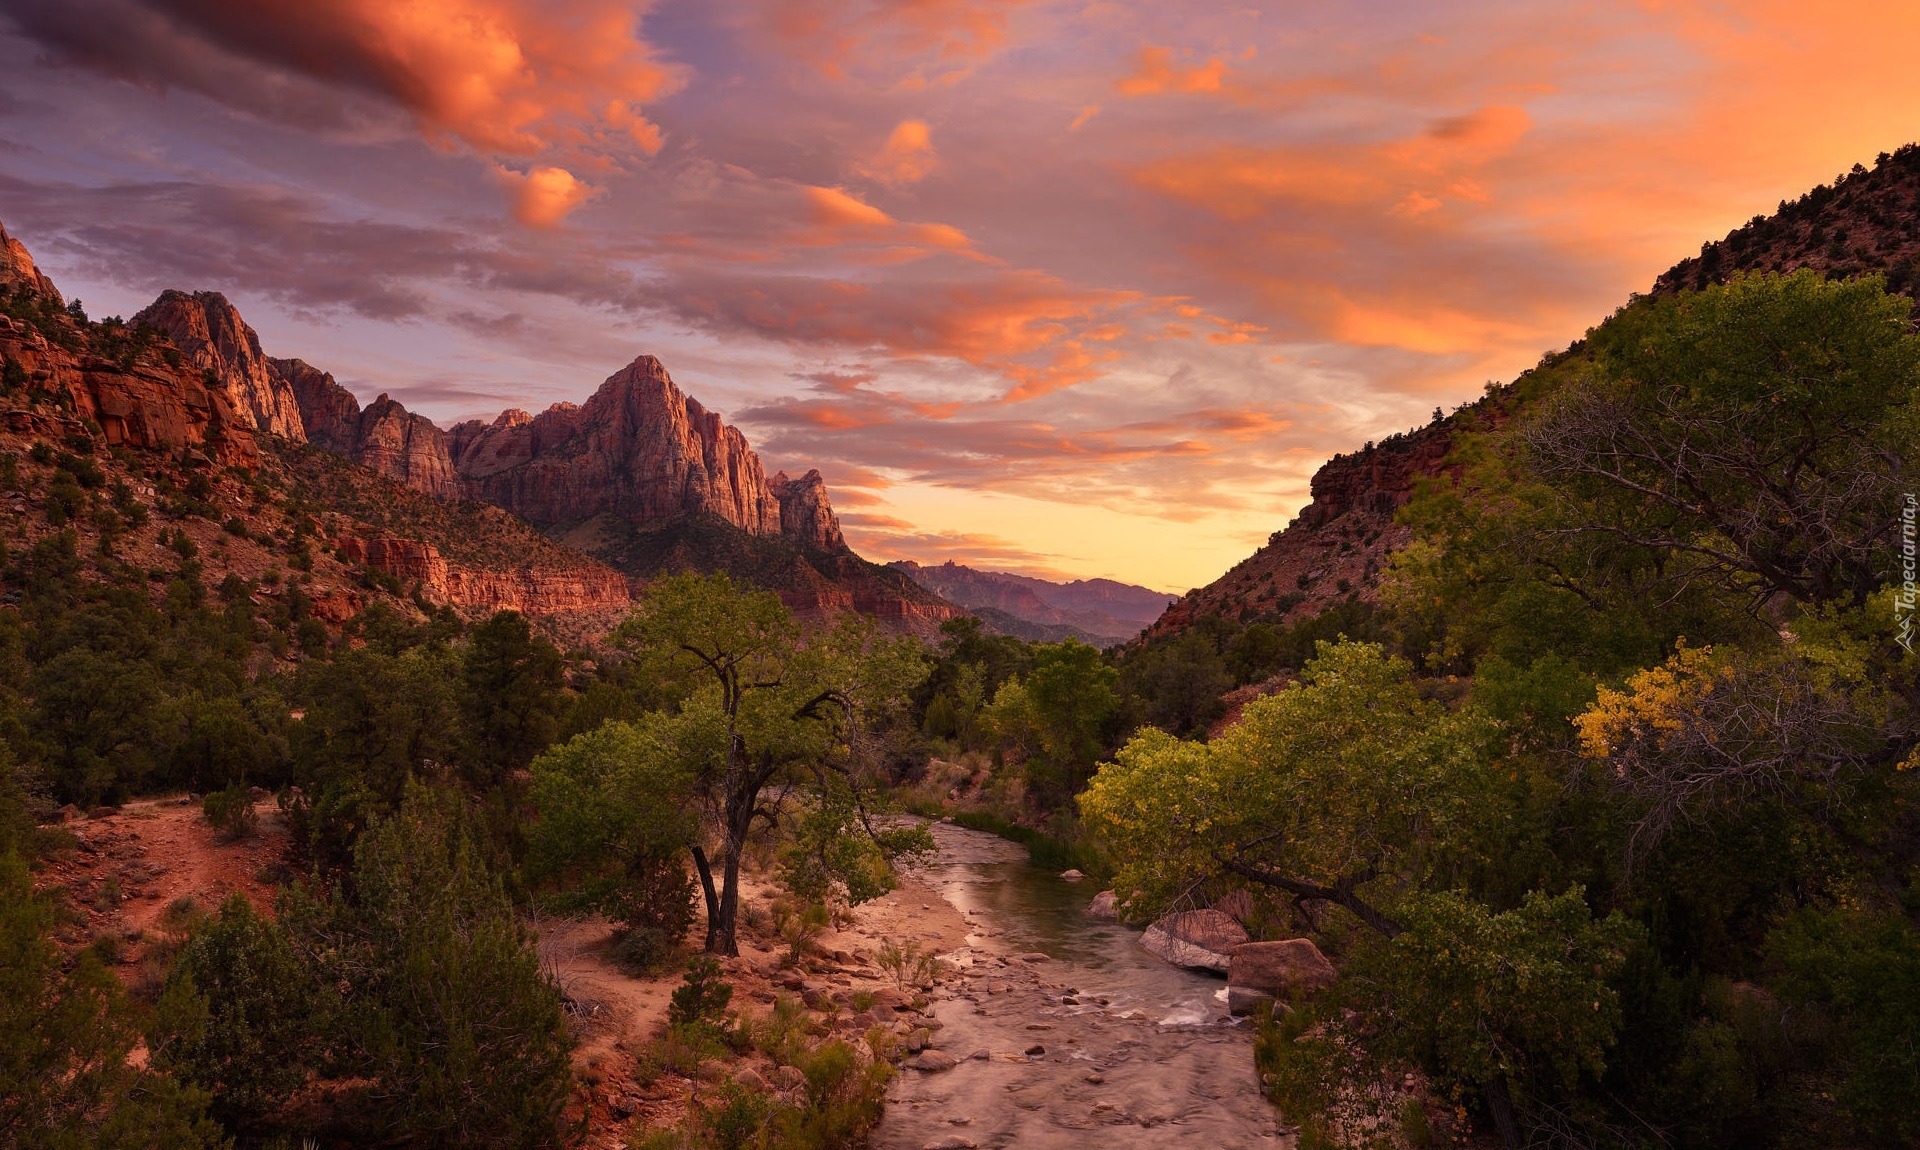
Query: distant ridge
point(1100, 611)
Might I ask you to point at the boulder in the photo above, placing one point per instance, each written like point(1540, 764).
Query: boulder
point(1239, 904)
point(1278, 969)
point(1199, 939)
point(1104, 905)
point(1072, 875)
point(931, 1060)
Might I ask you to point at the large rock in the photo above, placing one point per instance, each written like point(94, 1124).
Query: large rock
point(210, 332)
point(1279, 968)
point(328, 412)
point(17, 269)
point(1104, 906)
point(1199, 939)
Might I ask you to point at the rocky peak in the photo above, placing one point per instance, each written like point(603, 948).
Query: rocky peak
point(805, 515)
point(639, 449)
point(329, 413)
point(209, 330)
point(17, 269)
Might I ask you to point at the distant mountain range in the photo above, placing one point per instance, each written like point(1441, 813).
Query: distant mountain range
point(1098, 611)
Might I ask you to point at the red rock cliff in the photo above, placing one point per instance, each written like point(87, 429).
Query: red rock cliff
point(214, 338)
point(639, 448)
point(805, 515)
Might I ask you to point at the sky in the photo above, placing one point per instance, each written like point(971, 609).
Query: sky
point(1075, 289)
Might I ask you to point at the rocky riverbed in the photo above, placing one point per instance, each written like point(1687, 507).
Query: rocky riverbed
point(1057, 1030)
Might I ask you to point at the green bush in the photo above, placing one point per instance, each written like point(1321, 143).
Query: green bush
point(230, 811)
point(236, 1017)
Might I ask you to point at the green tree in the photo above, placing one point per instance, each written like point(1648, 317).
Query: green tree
point(1057, 716)
point(237, 1017)
point(789, 705)
point(514, 695)
point(436, 991)
point(1347, 788)
point(618, 817)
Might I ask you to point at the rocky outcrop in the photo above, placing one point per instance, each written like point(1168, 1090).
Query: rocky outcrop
point(529, 590)
point(409, 447)
point(640, 448)
point(329, 413)
point(17, 269)
point(146, 404)
point(1198, 939)
point(213, 337)
point(805, 515)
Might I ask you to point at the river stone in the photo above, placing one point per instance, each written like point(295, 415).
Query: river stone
point(1199, 939)
point(1072, 875)
point(931, 1060)
point(951, 1142)
point(1279, 968)
point(1104, 906)
point(1243, 1000)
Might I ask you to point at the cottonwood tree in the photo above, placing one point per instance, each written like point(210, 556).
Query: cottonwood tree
point(789, 706)
point(1750, 434)
point(1346, 788)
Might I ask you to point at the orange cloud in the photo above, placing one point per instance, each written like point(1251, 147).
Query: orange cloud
point(838, 218)
point(917, 42)
point(1156, 75)
point(543, 197)
point(907, 156)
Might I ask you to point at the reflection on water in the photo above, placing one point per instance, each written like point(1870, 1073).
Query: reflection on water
point(1101, 1044)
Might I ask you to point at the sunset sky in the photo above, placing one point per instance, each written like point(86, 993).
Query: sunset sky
point(1069, 288)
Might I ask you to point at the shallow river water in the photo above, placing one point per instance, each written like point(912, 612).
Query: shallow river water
point(1100, 1044)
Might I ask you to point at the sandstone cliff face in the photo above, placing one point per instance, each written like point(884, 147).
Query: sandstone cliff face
point(147, 405)
point(805, 515)
point(409, 447)
point(17, 269)
point(214, 338)
point(530, 590)
point(328, 412)
point(639, 448)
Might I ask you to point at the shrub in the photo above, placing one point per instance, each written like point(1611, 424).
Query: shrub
point(230, 811)
point(236, 1017)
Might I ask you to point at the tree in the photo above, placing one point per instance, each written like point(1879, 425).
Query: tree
point(790, 707)
point(617, 820)
point(513, 699)
point(435, 990)
point(1057, 716)
point(1746, 433)
point(237, 1018)
point(1345, 788)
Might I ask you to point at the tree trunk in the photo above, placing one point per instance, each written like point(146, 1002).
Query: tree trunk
point(729, 901)
point(706, 889)
point(1500, 1104)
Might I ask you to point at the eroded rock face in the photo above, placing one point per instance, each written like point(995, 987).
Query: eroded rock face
point(1199, 939)
point(329, 413)
point(805, 515)
point(409, 447)
point(213, 337)
point(640, 448)
point(527, 589)
point(17, 269)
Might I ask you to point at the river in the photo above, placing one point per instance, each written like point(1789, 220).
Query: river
point(1098, 1044)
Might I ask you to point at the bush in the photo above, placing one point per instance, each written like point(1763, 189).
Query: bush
point(237, 1016)
point(230, 811)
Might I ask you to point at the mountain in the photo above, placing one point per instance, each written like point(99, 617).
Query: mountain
point(171, 450)
point(1338, 544)
point(1099, 611)
point(1867, 221)
point(640, 475)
